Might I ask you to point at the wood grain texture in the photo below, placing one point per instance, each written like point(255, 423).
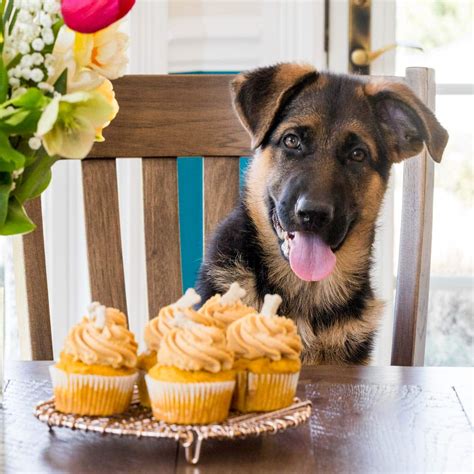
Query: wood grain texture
point(104, 245)
point(365, 419)
point(221, 190)
point(162, 243)
point(176, 115)
point(388, 428)
point(413, 277)
point(37, 286)
point(27, 446)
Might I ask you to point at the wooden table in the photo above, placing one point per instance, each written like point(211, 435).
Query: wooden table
point(364, 420)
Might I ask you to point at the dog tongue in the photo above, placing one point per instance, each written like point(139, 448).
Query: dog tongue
point(310, 258)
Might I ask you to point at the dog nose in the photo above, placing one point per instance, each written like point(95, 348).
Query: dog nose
point(313, 215)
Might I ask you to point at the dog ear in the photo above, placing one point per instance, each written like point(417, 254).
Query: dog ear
point(259, 94)
point(406, 122)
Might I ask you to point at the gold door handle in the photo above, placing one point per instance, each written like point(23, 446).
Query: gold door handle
point(363, 57)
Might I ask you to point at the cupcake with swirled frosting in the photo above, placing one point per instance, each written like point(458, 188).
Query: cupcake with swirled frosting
point(222, 311)
point(158, 327)
point(267, 349)
point(193, 381)
point(96, 370)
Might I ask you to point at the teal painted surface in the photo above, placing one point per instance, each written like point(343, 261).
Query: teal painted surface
point(190, 217)
point(191, 214)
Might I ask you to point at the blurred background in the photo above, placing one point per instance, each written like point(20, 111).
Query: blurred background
point(201, 36)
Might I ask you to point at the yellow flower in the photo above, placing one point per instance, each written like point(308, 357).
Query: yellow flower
point(70, 123)
point(107, 92)
point(104, 51)
point(78, 77)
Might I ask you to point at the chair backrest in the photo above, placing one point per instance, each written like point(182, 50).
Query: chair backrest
point(165, 117)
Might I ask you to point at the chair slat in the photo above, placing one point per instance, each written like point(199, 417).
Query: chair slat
point(104, 244)
point(221, 190)
point(413, 279)
point(175, 115)
point(37, 286)
point(162, 243)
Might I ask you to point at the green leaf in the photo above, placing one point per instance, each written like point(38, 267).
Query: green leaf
point(33, 98)
point(8, 11)
point(3, 81)
point(35, 178)
point(61, 83)
point(17, 221)
point(13, 21)
point(10, 159)
point(21, 122)
point(5, 188)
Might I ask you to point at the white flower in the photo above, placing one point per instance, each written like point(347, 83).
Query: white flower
point(37, 75)
point(34, 143)
point(70, 123)
point(14, 82)
point(24, 47)
point(26, 73)
point(37, 58)
point(26, 60)
point(34, 5)
point(24, 16)
point(47, 35)
point(51, 6)
point(38, 44)
point(45, 19)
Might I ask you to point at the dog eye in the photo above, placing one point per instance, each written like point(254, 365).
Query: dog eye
point(358, 154)
point(291, 141)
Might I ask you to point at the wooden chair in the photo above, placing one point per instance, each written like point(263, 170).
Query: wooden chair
point(163, 117)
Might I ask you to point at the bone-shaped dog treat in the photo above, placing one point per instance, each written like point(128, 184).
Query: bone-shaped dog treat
point(270, 305)
point(190, 298)
point(180, 320)
point(233, 294)
point(97, 313)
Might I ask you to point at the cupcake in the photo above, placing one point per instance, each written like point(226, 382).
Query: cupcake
point(192, 383)
point(155, 331)
point(267, 351)
point(224, 310)
point(96, 371)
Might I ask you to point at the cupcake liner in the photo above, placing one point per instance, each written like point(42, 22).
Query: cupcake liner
point(264, 392)
point(190, 403)
point(91, 394)
point(143, 390)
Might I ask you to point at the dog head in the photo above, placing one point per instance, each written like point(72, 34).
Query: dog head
point(325, 145)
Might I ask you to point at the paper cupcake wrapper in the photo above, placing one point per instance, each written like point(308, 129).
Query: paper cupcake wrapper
point(143, 390)
point(91, 394)
point(190, 403)
point(264, 392)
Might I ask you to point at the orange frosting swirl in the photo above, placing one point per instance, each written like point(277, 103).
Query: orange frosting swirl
point(108, 343)
point(158, 327)
point(256, 335)
point(221, 314)
point(196, 347)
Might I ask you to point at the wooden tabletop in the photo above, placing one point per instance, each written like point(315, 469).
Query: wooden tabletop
point(365, 419)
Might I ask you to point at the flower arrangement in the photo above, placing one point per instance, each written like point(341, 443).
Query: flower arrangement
point(55, 91)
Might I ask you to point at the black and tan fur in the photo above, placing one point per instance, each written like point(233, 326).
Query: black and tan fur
point(338, 316)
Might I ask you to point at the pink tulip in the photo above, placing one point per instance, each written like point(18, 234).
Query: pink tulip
point(89, 16)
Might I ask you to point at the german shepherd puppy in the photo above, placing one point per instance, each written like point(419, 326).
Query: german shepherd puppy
point(305, 225)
